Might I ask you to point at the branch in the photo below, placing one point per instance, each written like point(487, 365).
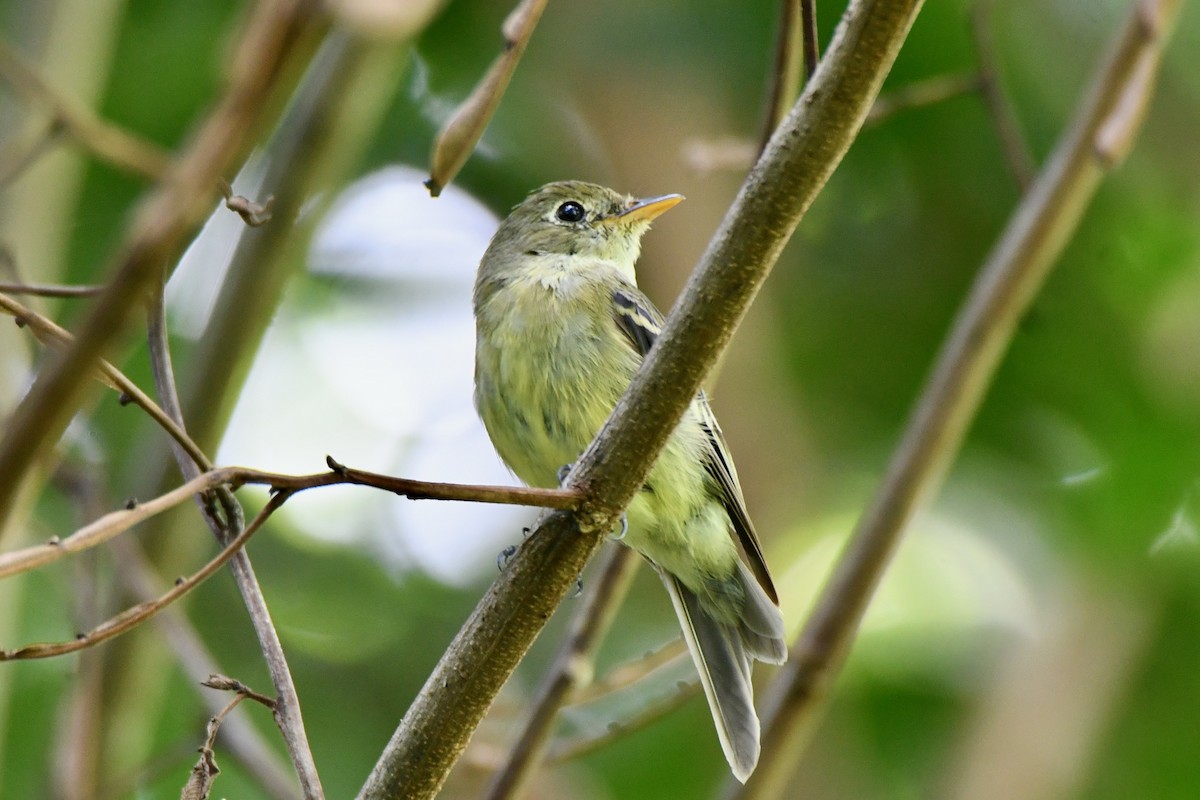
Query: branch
point(159, 229)
point(240, 737)
point(1012, 142)
point(795, 165)
point(573, 668)
point(224, 527)
point(50, 290)
point(117, 522)
point(576, 746)
point(131, 617)
point(106, 141)
point(51, 335)
point(462, 131)
point(1097, 140)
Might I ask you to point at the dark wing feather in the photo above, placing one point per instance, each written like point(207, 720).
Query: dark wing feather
point(641, 322)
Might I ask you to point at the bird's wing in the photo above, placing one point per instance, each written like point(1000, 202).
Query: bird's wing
point(641, 323)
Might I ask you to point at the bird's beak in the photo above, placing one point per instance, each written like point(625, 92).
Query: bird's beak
point(647, 209)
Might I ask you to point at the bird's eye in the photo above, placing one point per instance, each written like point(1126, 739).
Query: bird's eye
point(570, 211)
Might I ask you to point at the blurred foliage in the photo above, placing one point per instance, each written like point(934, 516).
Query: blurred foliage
point(1080, 476)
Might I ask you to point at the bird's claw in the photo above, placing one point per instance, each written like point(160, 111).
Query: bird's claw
point(624, 528)
point(564, 472)
point(578, 588)
point(505, 556)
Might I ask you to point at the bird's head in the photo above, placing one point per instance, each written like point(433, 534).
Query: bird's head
point(574, 218)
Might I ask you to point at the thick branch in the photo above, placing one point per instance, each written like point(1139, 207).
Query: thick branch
point(795, 165)
point(1097, 140)
point(572, 668)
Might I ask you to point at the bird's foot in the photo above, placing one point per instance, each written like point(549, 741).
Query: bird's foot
point(564, 472)
point(616, 537)
point(505, 556)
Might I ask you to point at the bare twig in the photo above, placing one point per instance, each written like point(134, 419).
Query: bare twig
point(50, 290)
point(796, 54)
point(1007, 284)
point(225, 527)
point(134, 616)
point(625, 675)
point(159, 229)
point(576, 746)
point(779, 189)
point(1012, 142)
point(573, 667)
point(240, 738)
point(922, 93)
point(199, 784)
point(787, 69)
point(812, 47)
point(108, 142)
point(20, 154)
point(52, 335)
point(734, 153)
point(117, 522)
point(463, 130)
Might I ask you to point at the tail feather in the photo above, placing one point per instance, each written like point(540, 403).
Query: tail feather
point(724, 666)
point(761, 622)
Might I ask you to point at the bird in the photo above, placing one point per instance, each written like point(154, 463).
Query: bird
point(561, 330)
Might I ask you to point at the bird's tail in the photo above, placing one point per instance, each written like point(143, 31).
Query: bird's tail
point(724, 654)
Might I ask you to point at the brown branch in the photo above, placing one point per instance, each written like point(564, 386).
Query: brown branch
point(117, 522)
point(21, 153)
point(462, 131)
point(199, 784)
point(1012, 142)
point(52, 335)
point(573, 668)
point(225, 526)
point(50, 290)
point(779, 189)
point(106, 141)
point(1009, 280)
point(241, 738)
point(159, 229)
point(134, 616)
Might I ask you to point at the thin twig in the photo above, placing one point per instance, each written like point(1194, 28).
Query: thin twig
point(462, 131)
point(922, 93)
point(1007, 284)
point(50, 290)
point(787, 69)
point(566, 749)
point(573, 667)
point(225, 526)
point(169, 214)
point(625, 675)
point(794, 167)
point(812, 47)
point(1016, 150)
point(108, 142)
point(52, 335)
point(117, 522)
point(131, 617)
point(241, 738)
point(21, 154)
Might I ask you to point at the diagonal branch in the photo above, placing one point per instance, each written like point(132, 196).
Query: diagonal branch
point(780, 188)
point(572, 669)
point(1097, 139)
point(158, 230)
